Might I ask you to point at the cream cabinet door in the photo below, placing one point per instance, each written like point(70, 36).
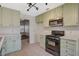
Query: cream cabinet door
point(63, 47)
point(6, 17)
point(42, 41)
point(70, 14)
point(46, 18)
point(51, 15)
point(58, 12)
point(68, 47)
point(12, 43)
point(39, 19)
point(0, 16)
point(15, 18)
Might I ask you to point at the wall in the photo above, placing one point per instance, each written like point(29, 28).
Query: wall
point(32, 27)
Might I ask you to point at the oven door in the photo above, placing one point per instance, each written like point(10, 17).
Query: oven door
point(53, 46)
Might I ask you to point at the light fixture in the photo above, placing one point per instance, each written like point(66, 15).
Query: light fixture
point(30, 5)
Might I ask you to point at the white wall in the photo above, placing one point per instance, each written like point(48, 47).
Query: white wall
point(32, 27)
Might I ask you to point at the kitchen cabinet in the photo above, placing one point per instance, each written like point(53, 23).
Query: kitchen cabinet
point(42, 41)
point(4, 48)
point(10, 17)
point(70, 14)
point(46, 18)
point(12, 43)
point(69, 47)
point(50, 15)
point(39, 19)
point(0, 16)
point(9, 45)
point(58, 12)
point(15, 18)
point(6, 17)
point(54, 13)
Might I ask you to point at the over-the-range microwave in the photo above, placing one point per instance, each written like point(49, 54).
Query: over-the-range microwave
point(55, 23)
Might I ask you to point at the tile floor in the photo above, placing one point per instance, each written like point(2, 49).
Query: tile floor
point(30, 50)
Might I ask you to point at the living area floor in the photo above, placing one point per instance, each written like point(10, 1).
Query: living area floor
point(30, 50)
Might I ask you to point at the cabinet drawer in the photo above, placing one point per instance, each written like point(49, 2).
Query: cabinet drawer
point(68, 47)
point(64, 52)
point(63, 43)
point(71, 42)
point(67, 52)
point(71, 52)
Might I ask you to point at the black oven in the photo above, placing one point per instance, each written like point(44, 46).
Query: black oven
point(53, 42)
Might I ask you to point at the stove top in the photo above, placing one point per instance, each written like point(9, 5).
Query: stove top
point(57, 33)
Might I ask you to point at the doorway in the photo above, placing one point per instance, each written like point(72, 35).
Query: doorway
point(24, 24)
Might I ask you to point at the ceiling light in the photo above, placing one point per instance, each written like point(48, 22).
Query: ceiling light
point(30, 5)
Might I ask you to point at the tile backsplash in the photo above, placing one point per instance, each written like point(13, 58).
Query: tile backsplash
point(70, 30)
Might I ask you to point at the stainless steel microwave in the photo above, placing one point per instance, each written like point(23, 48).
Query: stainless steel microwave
point(54, 23)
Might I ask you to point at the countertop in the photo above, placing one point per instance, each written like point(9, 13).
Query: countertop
point(1, 40)
point(71, 37)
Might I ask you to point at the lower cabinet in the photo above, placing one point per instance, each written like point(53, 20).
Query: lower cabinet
point(12, 43)
point(69, 47)
point(42, 41)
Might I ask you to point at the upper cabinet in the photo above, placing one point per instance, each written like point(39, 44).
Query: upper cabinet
point(39, 19)
point(6, 17)
point(46, 17)
point(59, 12)
point(50, 15)
point(10, 18)
point(0, 16)
point(70, 14)
point(15, 18)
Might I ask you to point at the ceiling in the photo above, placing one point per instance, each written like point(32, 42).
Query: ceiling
point(22, 7)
